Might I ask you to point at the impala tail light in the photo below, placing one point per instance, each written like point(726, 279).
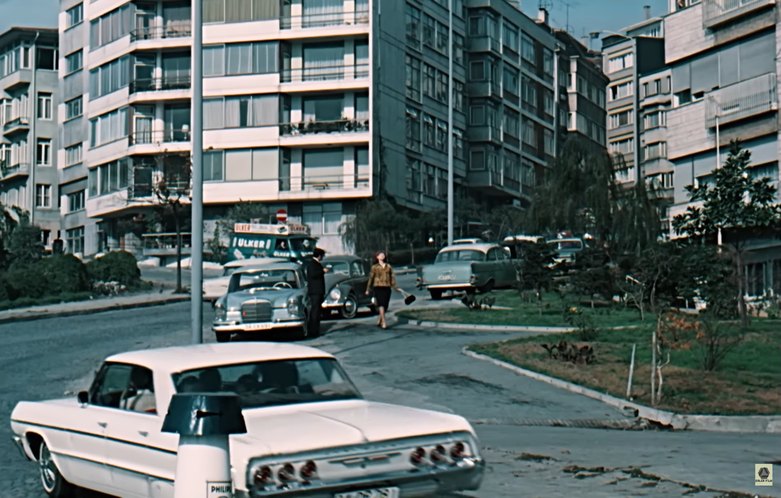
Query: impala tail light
point(418, 456)
point(287, 473)
point(263, 476)
point(309, 471)
point(439, 454)
point(458, 451)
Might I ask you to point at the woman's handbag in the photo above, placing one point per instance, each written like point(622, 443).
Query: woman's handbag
point(408, 298)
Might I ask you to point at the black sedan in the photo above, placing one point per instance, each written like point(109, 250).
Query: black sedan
point(345, 280)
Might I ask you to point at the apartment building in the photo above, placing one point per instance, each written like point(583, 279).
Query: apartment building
point(627, 57)
point(28, 126)
point(582, 84)
point(309, 106)
point(723, 56)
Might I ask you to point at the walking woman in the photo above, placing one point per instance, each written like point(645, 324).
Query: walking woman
point(382, 281)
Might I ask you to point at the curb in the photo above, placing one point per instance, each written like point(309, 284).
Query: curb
point(28, 315)
point(486, 328)
point(769, 424)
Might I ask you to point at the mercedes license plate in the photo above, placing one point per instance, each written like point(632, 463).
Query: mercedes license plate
point(258, 326)
point(370, 493)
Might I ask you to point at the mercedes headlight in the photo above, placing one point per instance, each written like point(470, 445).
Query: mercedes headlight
point(294, 306)
point(219, 311)
point(335, 294)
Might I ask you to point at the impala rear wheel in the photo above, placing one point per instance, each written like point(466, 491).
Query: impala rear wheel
point(52, 481)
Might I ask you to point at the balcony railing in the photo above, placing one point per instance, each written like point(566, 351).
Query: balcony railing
point(720, 11)
point(321, 20)
point(7, 172)
point(176, 29)
point(16, 124)
point(315, 183)
point(179, 82)
point(309, 127)
point(342, 72)
point(741, 100)
point(156, 137)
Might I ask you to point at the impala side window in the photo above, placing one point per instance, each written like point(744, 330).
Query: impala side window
point(139, 392)
point(109, 385)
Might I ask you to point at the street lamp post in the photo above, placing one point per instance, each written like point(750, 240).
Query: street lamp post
point(196, 253)
point(450, 199)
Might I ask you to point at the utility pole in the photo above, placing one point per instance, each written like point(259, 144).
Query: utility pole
point(196, 256)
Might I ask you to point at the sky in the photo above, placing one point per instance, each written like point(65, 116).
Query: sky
point(582, 16)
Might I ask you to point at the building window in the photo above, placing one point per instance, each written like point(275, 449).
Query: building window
point(442, 38)
point(429, 80)
point(458, 96)
point(620, 62)
point(73, 154)
point(619, 119)
point(655, 120)
point(547, 63)
point(510, 38)
point(74, 61)
point(241, 112)
point(109, 77)
point(43, 155)
point(413, 78)
point(413, 129)
point(74, 15)
point(111, 26)
point(46, 58)
point(527, 49)
point(76, 201)
point(73, 108)
point(621, 90)
point(241, 58)
point(213, 162)
point(108, 127)
point(626, 146)
point(74, 238)
point(44, 106)
point(412, 21)
point(218, 11)
point(655, 151)
point(107, 178)
point(429, 28)
point(43, 195)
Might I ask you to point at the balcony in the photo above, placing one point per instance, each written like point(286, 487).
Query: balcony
point(742, 100)
point(158, 137)
point(312, 127)
point(18, 124)
point(718, 12)
point(14, 171)
point(493, 182)
point(322, 20)
point(164, 244)
point(178, 29)
point(322, 183)
point(325, 73)
point(179, 82)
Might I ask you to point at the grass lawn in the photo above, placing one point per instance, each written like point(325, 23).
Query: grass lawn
point(549, 313)
point(747, 382)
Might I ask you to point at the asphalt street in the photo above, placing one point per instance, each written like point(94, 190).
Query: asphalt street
point(539, 441)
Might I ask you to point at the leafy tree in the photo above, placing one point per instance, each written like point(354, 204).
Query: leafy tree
point(735, 204)
point(25, 244)
point(636, 222)
point(593, 275)
point(534, 269)
point(9, 219)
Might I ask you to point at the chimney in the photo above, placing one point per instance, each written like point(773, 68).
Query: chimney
point(647, 10)
point(542, 16)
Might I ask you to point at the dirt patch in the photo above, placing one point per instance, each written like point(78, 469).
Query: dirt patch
point(686, 390)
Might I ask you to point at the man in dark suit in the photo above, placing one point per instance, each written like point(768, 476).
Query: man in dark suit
point(315, 279)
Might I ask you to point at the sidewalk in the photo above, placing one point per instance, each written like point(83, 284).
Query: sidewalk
point(97, 305)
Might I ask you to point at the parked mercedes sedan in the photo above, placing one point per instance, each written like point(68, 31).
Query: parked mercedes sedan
point(468, 268)
point(310, 433)
point(345, 280)
point(261, 299)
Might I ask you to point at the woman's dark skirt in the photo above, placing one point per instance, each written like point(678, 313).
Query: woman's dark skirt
point(382, 295)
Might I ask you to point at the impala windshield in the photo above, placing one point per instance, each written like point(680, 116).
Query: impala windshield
point(269, 383)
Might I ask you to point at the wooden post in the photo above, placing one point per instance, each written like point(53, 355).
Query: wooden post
point(653, 369)
point(631, 373)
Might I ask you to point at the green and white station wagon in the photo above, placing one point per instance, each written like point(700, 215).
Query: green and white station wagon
point(469, 268)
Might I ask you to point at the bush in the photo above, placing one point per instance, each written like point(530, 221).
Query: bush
point(116, 266)
point(26, 280)
point(4, 288)
point(64, 273)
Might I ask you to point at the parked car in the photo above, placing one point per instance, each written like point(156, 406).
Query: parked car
point(566, 249)
point(215, 288)
point(520, 242)
point(304, 418)
point(345, 279)
point(468, 267)
point(269, 297)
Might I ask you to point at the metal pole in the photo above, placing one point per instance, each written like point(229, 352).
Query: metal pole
point(718, 165)
point(631, 373)
point(196, 266)
point(450, 199)
point(636, 84)
point(32, 108)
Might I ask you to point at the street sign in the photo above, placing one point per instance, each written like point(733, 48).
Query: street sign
point(281, 216)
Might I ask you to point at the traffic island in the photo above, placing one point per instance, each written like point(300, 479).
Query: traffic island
point(741, 395)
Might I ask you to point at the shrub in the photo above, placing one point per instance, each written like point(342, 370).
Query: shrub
point(26, 280)
point(64, 273)
point(4, 290)
point(116, 266)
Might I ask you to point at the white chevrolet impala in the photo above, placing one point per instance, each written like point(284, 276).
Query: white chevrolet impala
point(309, 431)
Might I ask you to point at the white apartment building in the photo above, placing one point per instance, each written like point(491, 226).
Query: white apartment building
point(28, 126)
point(723, 57)
point(309, 106)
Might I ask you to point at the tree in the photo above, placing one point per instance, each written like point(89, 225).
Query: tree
point(736, 205)
point(9, 220)
point(172, 195)
point(636, 222)
point(534, 269)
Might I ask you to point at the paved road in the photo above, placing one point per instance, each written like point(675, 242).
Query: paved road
point(514, 416)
